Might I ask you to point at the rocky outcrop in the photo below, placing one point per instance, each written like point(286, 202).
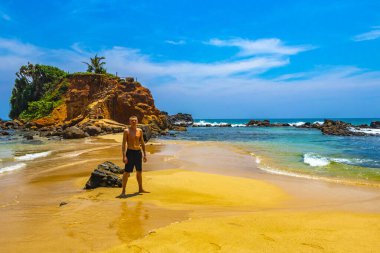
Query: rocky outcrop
point(105, 175)
point(73, 133)
point(111, 167)
point(98, 96)
point(310, 125)
point(375, 124)
point(337, 127)
point(265, 123)
point(181, 119)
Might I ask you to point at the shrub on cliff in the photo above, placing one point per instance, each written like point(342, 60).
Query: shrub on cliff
point(33, 83)
point(38, 109)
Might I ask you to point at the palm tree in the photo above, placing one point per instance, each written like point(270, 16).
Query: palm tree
point(96, 65)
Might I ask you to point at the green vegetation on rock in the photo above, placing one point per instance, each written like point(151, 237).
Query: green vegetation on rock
point(38, 89)
point(35, 92)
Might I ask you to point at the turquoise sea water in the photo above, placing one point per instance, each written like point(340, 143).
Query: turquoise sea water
point(300, 152)
point(282, 150)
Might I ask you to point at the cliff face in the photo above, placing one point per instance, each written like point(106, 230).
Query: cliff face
point(92, 95)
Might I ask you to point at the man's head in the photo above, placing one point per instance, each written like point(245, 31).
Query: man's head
point(133, 121)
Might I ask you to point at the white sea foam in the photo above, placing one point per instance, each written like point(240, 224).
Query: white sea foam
point(29, 157)
point(365, 130)
point(300, 123)
point(238, 125)
point(315, 160)
point(258, 160)
point(12, 167)
point(203, 123)
point(286, 173)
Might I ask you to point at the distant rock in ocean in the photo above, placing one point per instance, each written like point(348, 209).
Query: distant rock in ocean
point(375, 124)
point(181, 119)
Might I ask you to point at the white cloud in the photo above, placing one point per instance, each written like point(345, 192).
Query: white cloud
point(122, 59)
point(371, 35)
point(259, 47)
point(230, 88)
point(174, 42)
point(16, 47)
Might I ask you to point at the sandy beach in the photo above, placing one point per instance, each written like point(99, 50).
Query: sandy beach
point(204, 197)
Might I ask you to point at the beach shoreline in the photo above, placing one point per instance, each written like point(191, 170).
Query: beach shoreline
point(193, 185)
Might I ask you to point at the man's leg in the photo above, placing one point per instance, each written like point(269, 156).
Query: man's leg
point(139, 181)
point(125, 180)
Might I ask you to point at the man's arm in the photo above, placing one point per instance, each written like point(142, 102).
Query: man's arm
point(125, 139)
point(142, 143)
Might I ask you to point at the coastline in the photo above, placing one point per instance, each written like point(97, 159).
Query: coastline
point(201, 193)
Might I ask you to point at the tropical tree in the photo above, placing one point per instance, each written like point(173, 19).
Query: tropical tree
point(33, 82)
point(96, 65)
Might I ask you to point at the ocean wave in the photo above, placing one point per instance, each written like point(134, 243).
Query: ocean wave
point(315, 160)
point(365, 130)
point(238, 125)
point(300, 123)
point(29, 157)
point(12, 167)
point(203, 123)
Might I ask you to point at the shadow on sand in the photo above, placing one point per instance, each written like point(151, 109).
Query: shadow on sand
point(130, 195)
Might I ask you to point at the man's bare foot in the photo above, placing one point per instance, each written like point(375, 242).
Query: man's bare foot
point(143, 191)
point(122, 195)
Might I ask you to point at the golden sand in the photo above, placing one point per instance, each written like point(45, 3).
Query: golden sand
point(190, 208)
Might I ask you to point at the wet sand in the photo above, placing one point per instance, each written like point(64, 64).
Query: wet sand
point(205, 197)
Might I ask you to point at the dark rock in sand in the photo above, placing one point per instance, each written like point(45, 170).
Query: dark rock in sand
point(110, 166)
point(4, 133)
point(375, 124)
point(103, 178)
point(73, 133)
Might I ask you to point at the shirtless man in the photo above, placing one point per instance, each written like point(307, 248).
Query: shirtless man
point(133, 136)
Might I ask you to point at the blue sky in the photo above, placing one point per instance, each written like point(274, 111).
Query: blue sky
point(213, 59)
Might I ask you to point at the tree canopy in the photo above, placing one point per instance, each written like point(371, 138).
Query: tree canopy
point(96, 65)
point(33, 82)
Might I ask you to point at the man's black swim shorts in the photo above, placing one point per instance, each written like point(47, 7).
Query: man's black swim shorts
point(134, 160)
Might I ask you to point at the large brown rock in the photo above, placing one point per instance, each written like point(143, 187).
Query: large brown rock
point(73, 133)
point(91, 96)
